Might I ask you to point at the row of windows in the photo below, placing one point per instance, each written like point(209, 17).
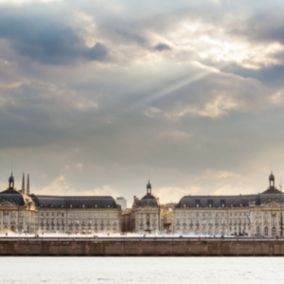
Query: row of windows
point(270, 215)
point(76, 214)
point(100, 227)
point(78, 219)
point(265, 222)
point(266, 231)
point(210, 226)
point(212, 214)
point(211, 223)
point(231, 214)
point(72, 222)
point(52, 214)
point(148, 215)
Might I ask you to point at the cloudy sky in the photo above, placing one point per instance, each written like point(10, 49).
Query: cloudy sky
point(98, 96)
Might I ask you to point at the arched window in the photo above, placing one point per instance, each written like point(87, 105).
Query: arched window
point(273, 232)
point(266, 231)
point(257, 231)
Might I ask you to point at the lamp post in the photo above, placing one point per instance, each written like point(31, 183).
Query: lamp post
point(281, 213)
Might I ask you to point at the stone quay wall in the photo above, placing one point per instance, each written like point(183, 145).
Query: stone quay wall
point(141, 247)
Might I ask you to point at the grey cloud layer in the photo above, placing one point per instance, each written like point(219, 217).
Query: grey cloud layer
point(46, 38)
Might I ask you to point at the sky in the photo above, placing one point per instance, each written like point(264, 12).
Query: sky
point(97, 97)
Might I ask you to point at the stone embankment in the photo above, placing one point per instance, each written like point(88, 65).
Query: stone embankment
point(140, 247)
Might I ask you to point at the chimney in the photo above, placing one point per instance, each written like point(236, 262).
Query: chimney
point(23, 184)
point(28, 184)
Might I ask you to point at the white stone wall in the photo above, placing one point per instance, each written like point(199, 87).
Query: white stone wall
point(262, 221)
point(147, 219)
point(17, 219)
point(267, 221)
point(84, 221)
point(213, 222)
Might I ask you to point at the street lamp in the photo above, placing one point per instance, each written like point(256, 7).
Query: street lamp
point(281, 213)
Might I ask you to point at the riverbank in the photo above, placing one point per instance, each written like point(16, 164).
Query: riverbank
point(140, 247)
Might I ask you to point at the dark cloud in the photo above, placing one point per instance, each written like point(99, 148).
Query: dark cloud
point(271, 75)
point(46, 38)
point(98, 52)
point(129, 32)
point(267, 26)
point(162, 47)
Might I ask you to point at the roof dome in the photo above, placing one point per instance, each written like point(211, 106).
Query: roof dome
point(12, 198)
point(271, 177)
point(148, 200)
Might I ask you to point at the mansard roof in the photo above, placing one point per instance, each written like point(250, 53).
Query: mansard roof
point(272, 190)
point(10, 190)
point(51, 201)
point(228, 200)
point(13, 196)
point(16, 199)
point(148, 200)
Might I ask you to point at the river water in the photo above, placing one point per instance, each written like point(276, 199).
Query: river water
point(63, 270)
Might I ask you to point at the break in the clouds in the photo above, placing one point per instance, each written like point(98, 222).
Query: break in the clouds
point(97, 97)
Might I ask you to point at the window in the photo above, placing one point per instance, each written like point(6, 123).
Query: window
point(266, 231)
point(210, 202)
point(273, 232)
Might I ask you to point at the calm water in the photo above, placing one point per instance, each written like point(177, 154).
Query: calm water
point(141, 270)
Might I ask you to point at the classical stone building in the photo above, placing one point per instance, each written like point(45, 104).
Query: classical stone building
point(241, 215)
point(17, 209)
point(254, 215)
point(77, 214)
point(21, 211)
point(146, 212)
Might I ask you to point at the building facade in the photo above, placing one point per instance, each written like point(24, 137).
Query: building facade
point(256, 215)
point(146, 212)
point(77, 214)
point(22, 212)
point(17, 209)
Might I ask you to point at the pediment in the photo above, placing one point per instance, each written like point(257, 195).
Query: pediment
point(7, 205)
point(272, 204)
